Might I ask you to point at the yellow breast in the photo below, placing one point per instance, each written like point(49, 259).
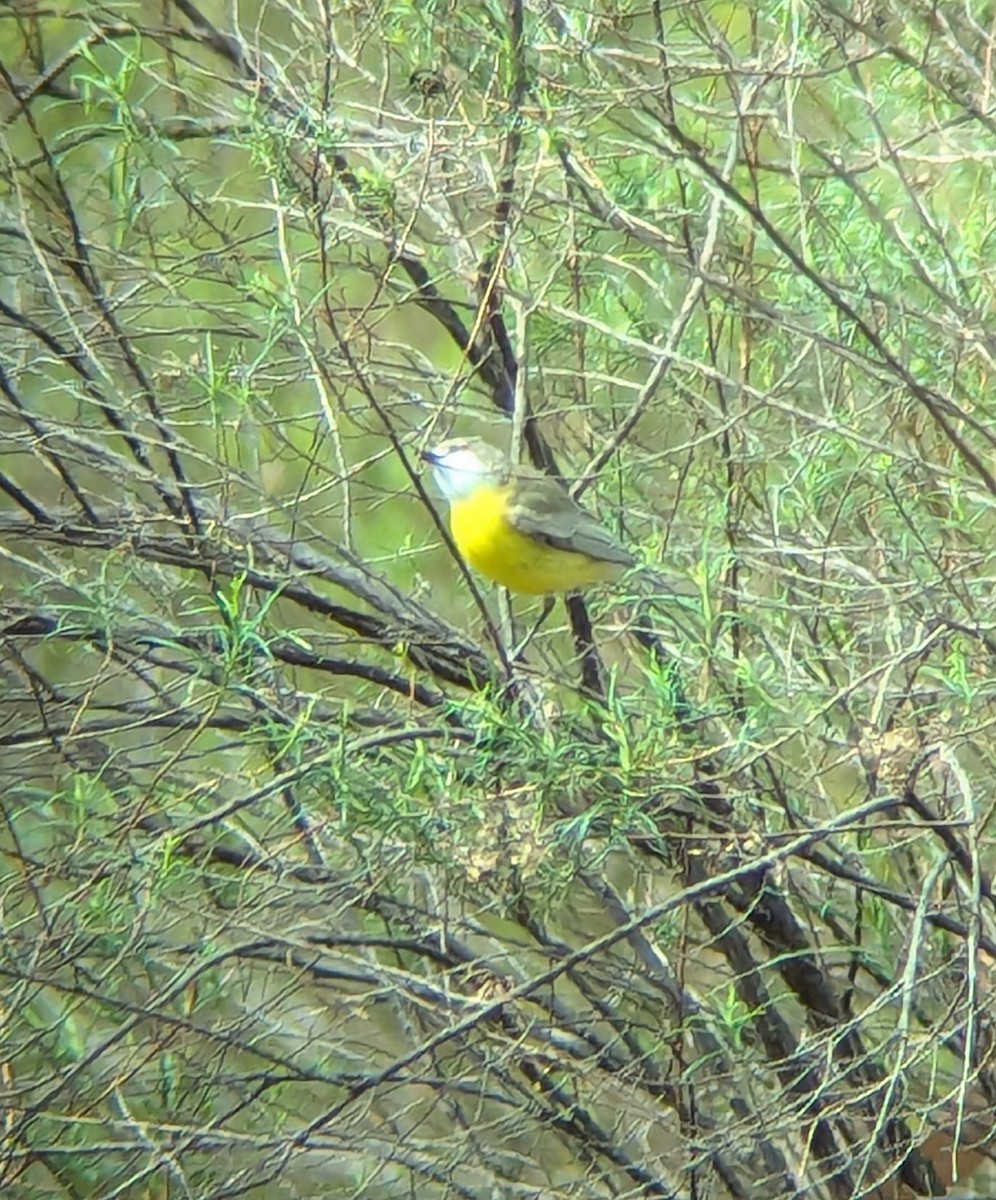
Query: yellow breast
point(492, 546)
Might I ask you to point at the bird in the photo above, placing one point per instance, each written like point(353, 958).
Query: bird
point(520, 527)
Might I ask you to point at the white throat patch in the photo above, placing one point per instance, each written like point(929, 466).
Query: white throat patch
point(459, 473)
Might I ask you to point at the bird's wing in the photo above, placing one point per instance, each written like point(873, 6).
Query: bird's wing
point(543, 510)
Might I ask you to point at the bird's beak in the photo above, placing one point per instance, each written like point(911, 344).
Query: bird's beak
point(430, 457)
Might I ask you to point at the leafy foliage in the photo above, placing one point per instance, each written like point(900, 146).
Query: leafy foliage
point(323, 868)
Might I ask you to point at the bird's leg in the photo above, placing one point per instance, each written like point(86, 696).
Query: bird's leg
point(548, 603)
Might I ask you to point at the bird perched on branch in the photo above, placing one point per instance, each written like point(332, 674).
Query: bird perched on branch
point(519, 526)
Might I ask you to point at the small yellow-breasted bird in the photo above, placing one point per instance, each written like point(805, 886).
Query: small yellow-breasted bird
point(518, 526)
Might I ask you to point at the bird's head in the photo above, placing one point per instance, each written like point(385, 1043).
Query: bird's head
point(462, 465)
